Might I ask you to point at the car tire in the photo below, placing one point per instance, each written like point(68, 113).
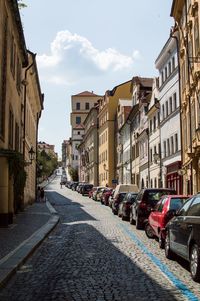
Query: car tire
point(138, 224)
point(119, 215)
point(114, 212)
point(195, 263)
point(168, 252)
point(161, 241)
point(149, 231)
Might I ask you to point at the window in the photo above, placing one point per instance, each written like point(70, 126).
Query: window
point(165, 73)
point(168, 147)
point(162, 77)
point(185, 207)
point(175, 101)
point(155, 182)
point(170, 105)
point(165, 149)
point(18, 82)
point(78, 106)
point(173, 63)
point(78, 133)
point(163, 111)
point(151, 155)
point(154, 123)
point(194, 209)
point(172, 144)
point(78, 119)
point(176, 142)
point(166, 106)
point(87, 106)
point(170, 68)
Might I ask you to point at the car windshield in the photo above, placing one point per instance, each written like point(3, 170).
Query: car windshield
point(176, 203)
point(156, 195)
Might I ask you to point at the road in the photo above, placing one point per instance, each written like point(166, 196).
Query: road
point(94, 256)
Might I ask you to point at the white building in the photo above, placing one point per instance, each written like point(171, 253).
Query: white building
point(170, 135)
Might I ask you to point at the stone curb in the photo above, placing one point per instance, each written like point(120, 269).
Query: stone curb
point(10, 263)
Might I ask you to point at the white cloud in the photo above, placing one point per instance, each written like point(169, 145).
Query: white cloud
point(73, 56)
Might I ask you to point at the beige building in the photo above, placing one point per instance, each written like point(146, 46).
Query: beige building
point(107, 132)
point(187, 32)
point(89, 149)
point(81, 105)
point(20, 108)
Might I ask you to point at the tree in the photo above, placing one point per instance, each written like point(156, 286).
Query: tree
point(74, 173)
point(46, 163)
point(21, 4)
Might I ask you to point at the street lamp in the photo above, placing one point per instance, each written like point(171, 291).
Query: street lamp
point(31, 156)
point(157, 157)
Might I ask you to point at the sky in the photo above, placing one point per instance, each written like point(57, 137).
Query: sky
point(90, 45)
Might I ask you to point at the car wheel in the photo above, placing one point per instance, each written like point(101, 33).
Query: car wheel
point(195, 263)
point(161, 241)
point(149, 231)
point(138, 224)
point(119, 214)
point(114, 212)
point(168, 252)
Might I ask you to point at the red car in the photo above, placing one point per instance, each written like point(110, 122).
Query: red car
point(90, 193)
point(106, 196)
point(161, 214)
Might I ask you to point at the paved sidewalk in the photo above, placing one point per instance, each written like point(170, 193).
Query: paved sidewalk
point(21, 238)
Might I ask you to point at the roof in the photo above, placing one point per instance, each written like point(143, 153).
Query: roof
point(143, 81)
point(86, 94)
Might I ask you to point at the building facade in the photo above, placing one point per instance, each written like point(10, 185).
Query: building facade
point(170, 134)
point(81, 104)
point(186, 14)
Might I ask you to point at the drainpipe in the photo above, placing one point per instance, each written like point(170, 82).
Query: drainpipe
point(25, 101)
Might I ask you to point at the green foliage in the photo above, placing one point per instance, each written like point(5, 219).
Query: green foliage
point(21, 4)
point(74, 174)
point(46, 163)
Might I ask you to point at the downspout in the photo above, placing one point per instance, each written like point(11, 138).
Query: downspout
point(188, 70)
point(25, 101)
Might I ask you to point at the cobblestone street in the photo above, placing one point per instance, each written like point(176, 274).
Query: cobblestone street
point(93, 256)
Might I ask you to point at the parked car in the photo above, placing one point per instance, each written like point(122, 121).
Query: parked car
point(117, 199)
point(78, 188)
point(161, 215)
point(106, 195)
point(145, 201)
point(90, 193)
point(85, 188)
point(74, 185)
point(182, 235)
point(95, 193)
point(124, 206)
point(125, 188)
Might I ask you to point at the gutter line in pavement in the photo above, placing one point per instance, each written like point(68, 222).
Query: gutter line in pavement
point(164, 269)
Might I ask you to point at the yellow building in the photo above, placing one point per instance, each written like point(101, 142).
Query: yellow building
point(107, 141)
point(18, 100)
point(81, 105)
point(186, 31)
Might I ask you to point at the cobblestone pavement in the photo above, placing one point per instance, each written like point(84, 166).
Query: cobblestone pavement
point(94, 256)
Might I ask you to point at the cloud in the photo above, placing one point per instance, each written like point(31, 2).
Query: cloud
point(73, 56)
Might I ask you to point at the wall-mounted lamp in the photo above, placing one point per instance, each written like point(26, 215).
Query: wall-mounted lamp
point(31, 156)
point(126, 166)
point(181, 172)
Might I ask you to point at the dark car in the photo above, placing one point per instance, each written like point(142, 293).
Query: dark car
point(124, 206)
point(161, 215)
point(85, 188)
point(116, 201)
point(183, 235)
point(145, 201)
